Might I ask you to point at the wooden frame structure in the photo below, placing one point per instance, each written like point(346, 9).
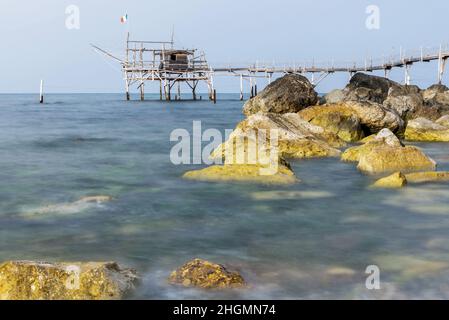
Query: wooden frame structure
point(169, 66)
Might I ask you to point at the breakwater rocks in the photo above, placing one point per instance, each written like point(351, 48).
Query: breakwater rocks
point(371, 110)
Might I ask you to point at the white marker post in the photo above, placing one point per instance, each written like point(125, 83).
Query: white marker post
point(41, 95)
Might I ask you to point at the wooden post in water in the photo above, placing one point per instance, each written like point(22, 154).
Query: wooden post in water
point(215, 96)
point(41, 92)
point(241, 87)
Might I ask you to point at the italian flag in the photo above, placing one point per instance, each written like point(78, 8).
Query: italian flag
point(124, 18)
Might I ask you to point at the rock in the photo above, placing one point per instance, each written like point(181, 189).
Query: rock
point(407, 101)
point(296, 138)
point(335, 96)
point(364, 87)
point(422, 129)
point(28, 280)
point(396, 180)
point(347, 128)
point(436, 102)
point(385, 153)
point(206, 275)
point(376, 117)
point(430, 176)
point(97, 199)
point(443, 121)
point(340, 272)
point(244, 173)
point(63, 209)
point(384, 138)
point(290, 93)
point(385, 159)
point(373, 117)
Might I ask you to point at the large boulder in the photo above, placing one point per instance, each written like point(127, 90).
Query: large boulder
point(28, 280)
point(364, 87)
point(290, 93)
point(385, 154)
point(371, 116)
point(407, 101)
point(206, 275)
point(436, 102)
point(296, 138)
point(384, 138)
point(422, 129)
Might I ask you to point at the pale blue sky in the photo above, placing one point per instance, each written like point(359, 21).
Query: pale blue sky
point(36, 43)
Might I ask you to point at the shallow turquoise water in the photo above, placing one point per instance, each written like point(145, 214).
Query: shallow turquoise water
point(288, 245)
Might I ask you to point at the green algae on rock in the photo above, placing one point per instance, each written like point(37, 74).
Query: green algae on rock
point(29, 280)
point(206, 275)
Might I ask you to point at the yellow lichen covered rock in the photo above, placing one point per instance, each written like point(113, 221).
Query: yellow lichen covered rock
point(384, 159)
point(28, 280)
point(386, 154)
point(429, 176)
point(244, 173)
point(295, 137)
point(346, 127)
point(384, 138)
point(422, 129)
point(371, 116)
point(396, 180)
point(207, 275)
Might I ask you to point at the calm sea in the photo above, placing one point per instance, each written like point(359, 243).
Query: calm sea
point(314, 239)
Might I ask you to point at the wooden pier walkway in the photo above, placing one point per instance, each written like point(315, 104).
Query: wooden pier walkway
point(170, 67)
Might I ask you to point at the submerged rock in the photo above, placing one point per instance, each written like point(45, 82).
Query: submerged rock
point(422, 129)
point(244, 173)
point(28, 280)
point(66, 208)
point(429, 176)
point(396, 180)
point(206, 275)
point(290, 93)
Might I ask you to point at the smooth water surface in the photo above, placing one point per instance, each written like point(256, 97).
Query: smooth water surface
point(310, 240)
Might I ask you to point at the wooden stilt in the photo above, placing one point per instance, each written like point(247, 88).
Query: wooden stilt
point(241, 87)
point(142, 91)
point(41, 92)
point(160, 90)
